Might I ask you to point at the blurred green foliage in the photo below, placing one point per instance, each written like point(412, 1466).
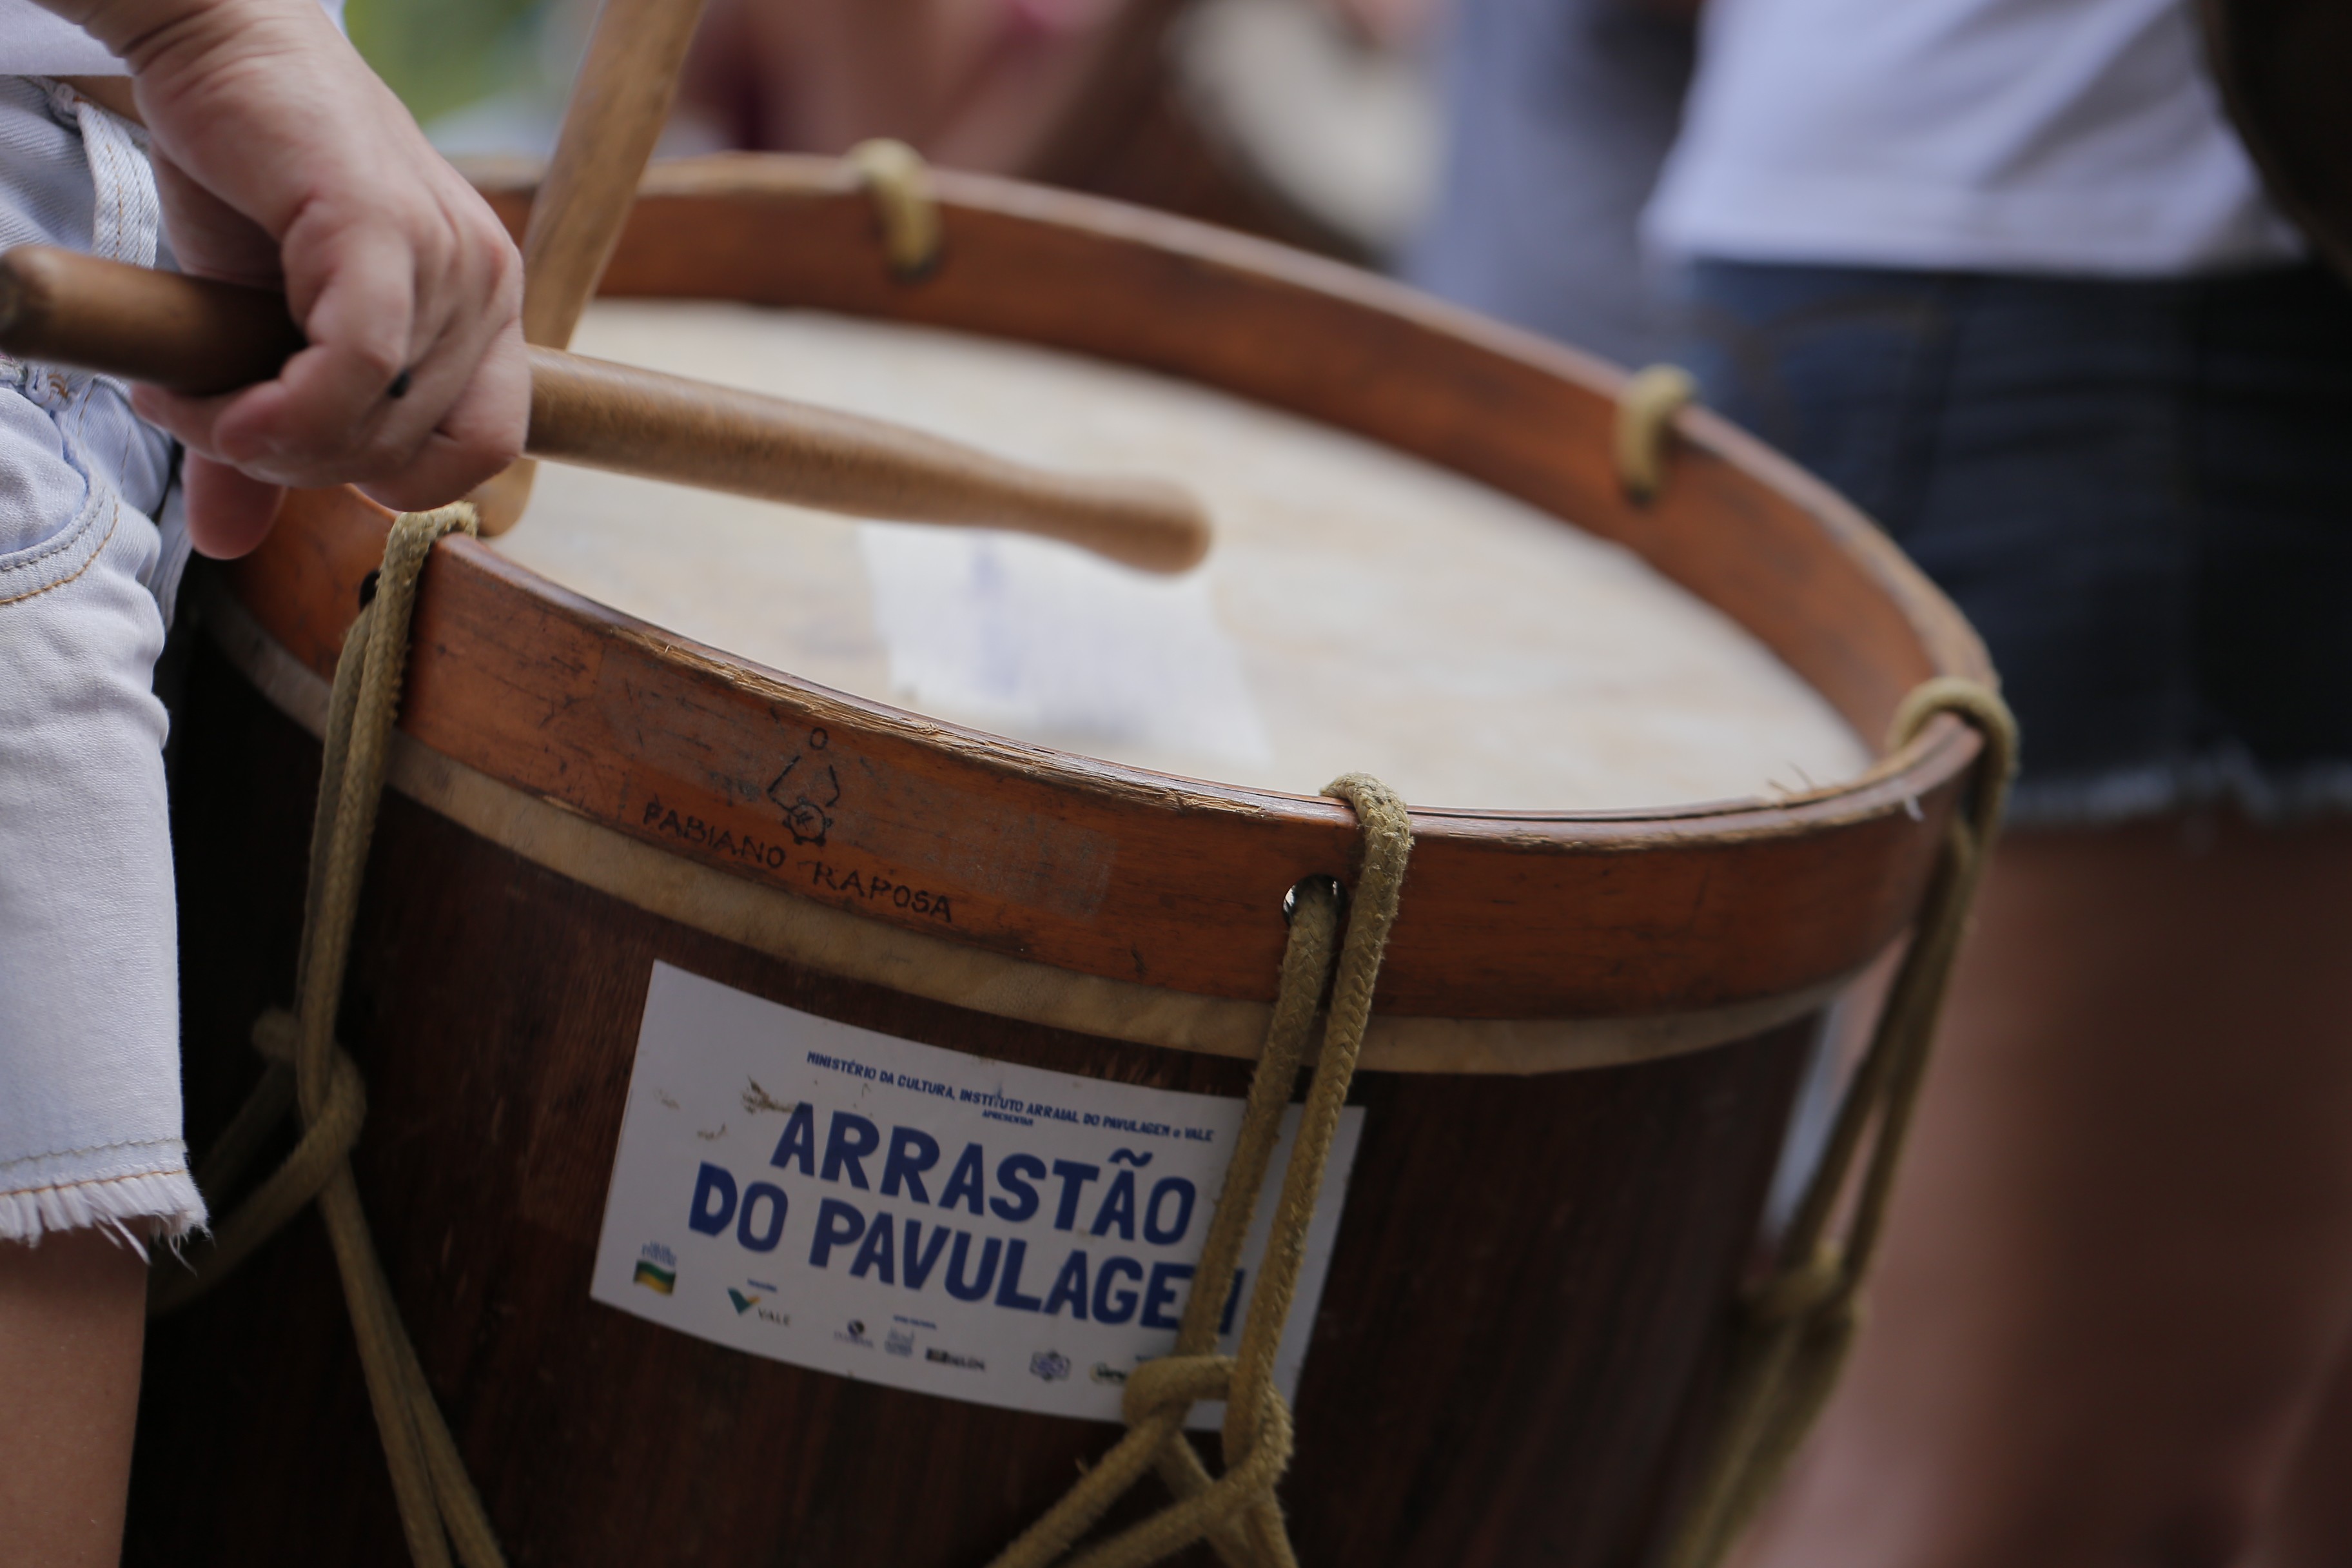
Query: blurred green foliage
point(440, 55)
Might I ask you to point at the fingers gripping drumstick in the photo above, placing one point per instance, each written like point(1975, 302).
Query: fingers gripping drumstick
point(204, 338)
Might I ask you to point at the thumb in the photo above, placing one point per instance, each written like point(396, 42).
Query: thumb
point(228, 513)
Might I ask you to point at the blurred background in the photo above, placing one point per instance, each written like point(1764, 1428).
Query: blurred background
point(1315, 121)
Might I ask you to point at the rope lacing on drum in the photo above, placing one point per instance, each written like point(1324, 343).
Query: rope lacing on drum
point(1798, 1324)
point(438, 1506)
point(1237, 1513)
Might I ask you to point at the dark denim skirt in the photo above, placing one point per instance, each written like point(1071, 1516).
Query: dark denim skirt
point(2140, 491)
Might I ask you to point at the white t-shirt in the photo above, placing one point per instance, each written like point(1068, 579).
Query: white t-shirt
point(35, 42)
point(2080, 136)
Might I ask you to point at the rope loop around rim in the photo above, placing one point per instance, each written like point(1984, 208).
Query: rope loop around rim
point(900, 181)
point(1646, 405)
point(439, 1509)
point(1796, 1327)
point(1238, 1513)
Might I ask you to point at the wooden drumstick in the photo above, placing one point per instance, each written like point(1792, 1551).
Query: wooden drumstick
point(206, 338)
point(619, 103)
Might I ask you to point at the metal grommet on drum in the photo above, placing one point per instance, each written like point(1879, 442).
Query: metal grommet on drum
point(808, 973)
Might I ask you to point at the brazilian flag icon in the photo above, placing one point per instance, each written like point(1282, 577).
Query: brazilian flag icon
point(653, 1276)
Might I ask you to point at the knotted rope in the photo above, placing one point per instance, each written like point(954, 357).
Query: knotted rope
point(1797, 1326)
point(438, 1506)
point(1237, 1513)
point(1646, 405)
point(900, 184)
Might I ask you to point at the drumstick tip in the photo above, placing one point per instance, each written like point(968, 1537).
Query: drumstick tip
point(1165, 529)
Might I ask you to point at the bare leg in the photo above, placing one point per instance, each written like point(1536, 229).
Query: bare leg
point(73, 1314)
point(2312, 1526)
point(2120, 1262)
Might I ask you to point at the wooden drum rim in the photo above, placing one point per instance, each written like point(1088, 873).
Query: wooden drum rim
point(799, 931)
point(1140, 877)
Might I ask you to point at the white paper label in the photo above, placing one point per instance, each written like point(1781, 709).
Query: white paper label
point(839, 1199)
point(1042, 638)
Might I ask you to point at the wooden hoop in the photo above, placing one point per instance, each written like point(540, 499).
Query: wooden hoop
point(799, 931)
point(1127, 874)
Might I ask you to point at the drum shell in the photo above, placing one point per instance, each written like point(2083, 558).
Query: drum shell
point(1529, 1300)
point(1522, 1323)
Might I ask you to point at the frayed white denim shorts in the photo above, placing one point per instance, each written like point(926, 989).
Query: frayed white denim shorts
point(91, 556)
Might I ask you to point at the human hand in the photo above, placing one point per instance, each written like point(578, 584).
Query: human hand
point(282, 159)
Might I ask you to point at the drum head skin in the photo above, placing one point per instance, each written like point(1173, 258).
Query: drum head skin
point(1360, 611)
point(2283, 67)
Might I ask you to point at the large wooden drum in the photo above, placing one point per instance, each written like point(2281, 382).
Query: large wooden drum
point(916, 811)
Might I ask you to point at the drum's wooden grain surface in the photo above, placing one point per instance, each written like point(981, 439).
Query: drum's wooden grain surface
point(1515, 1339)
point(1348, 585)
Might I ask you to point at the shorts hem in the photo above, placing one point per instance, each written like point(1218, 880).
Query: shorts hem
point(155, 1205)
point(2228, 779)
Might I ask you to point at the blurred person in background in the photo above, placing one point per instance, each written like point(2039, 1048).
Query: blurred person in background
point(1559, 115)
point(2002, 272)
point(1002, 86)
point(1309, 120)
